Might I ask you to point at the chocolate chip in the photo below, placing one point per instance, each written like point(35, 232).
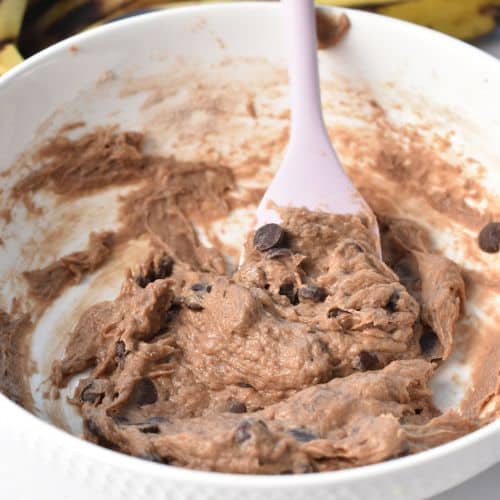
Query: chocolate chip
point(276, 253)
point(268, 236)
point(365, 361)
point(141, 281)
point(237, 407)
point(242, 432)
point(313, 292)
point(120, 349)
point(489, 238)
point(392, 303)
point(201, 287)
point(303, 435)
point(150, 429)
point(418, 411)
point(336, 312)
point(288, 290)
point(346, 321)
point(90, 395)
point(193, 304)
point(165, 267)
point(245, 385)
point(161, 271)
point(145, 392)
point(428, 342)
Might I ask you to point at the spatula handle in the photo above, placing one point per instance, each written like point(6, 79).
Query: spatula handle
point(307, 117)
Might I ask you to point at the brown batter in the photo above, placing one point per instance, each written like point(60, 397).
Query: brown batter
point(48, 283)
point(314, 355)
point(330, 29)
point(15, 357)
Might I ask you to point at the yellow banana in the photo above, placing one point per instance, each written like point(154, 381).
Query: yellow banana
point(356, 3)
point(49, 22)
point(9, 57)
point(11, 18)
point(466, 19)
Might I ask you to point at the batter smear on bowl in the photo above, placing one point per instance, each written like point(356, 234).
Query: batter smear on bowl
point(314, 355)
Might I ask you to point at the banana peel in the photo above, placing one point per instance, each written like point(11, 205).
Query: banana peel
point(48, 22)
point(11, 18)
point(9, 57)
point(150, 5)
point(465, 19)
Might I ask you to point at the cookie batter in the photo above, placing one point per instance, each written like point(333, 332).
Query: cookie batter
point(314, 355)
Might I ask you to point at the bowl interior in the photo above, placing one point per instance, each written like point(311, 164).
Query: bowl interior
point(211, 85)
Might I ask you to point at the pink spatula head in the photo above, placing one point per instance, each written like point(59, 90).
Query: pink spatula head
point(311, 175)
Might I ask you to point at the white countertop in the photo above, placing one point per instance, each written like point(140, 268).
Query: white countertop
point(486, 486)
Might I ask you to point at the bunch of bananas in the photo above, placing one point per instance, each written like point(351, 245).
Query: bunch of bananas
point(48, 21)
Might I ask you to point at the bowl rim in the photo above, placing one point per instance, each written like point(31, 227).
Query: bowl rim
point(124, 461)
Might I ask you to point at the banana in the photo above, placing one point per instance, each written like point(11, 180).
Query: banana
point(11, 18)
point(9, 57)
point(50, 21)
point(465, 19)
point(143, 5)
point(356, 3)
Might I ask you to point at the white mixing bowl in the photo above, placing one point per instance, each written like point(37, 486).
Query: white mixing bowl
point(84, 79)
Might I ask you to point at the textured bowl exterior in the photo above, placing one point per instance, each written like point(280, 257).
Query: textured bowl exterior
point(39, 461)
